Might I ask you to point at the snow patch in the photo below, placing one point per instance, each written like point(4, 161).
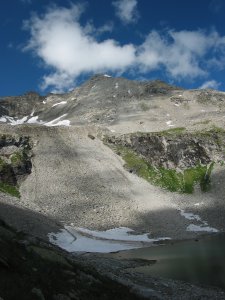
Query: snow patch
point(34, 120)
point(192, 227)
point(176, 104)
point(197, 228)
point(59, 103)
point(58, 122)
point(169, 123)
point(190, 216)
point(116, 85)
point(3, 119)
point(17, 122)
point(74, 239)
point(198, 204)
point(106, 75)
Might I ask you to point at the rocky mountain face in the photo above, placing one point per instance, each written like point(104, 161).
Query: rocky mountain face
point(15, 162)
point(32, 269)
point(100, 100)
point(175, 149)
point(113, 153)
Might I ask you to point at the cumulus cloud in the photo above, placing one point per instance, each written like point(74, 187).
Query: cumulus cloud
point(70, 50)
point(126, 10)
point(210, 84)
point(182, 54)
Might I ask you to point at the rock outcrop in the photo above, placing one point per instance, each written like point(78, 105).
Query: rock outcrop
point(176, 149)
point(15, 161)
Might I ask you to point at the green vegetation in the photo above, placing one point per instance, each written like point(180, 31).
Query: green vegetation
point(176, 130)
point(2, 163)
point(169, 179)
point(9, 189)
point(216, 129)
point(16, 158)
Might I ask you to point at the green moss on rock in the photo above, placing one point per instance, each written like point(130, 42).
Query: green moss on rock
point(9, 189)
point(170, 179)
point(16, 158)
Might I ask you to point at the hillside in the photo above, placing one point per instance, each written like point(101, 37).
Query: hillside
point(111, 154)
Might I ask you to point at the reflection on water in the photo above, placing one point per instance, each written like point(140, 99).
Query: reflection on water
point(201, 262)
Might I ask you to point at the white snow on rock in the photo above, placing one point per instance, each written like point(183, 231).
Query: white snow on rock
point(116, 85)
point(190, 216)
point(197, 228)
point(58, 122)
point(34, 120)
point(106, 75)
point(18, 121)
point(192, 227)
point(169, 123)
point(59, 103)
point(199, 203)
point(3, 119)
point(74, 239)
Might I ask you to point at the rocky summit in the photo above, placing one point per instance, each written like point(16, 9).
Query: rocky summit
point(112, 165)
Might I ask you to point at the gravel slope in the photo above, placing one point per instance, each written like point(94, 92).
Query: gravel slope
point(76, 179)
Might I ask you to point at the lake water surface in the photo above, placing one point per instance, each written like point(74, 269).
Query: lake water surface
point(200, 261)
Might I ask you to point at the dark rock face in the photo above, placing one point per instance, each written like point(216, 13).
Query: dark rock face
point(173, 151)
point(20, 106)
point(32, 269)
point(15, 159)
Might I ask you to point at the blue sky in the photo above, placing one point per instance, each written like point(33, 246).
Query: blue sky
point(55, 45)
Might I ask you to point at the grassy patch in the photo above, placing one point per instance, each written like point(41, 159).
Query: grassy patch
point(16, 158)
point(9, 189)
point(169, 179)
point(176, 130)
point(2, 163)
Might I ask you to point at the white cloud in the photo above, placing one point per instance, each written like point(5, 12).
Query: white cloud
point(182, 54)
point(63, 44)
point(210, 84)
point(70, 50)
point(126, 10)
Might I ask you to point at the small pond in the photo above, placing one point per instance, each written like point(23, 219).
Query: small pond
point(197, 261)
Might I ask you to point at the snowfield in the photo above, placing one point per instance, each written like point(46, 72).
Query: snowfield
point(74, 239)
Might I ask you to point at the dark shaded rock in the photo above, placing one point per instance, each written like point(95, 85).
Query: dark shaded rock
point(171, 151)
point(37, 294)
point(15, 159)
point(91, 136)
